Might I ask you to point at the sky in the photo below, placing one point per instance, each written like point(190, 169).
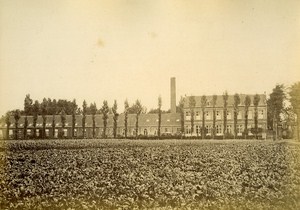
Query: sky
point(106, 50)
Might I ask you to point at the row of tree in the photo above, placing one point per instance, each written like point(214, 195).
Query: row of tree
point(48, 107)
point(277, 111)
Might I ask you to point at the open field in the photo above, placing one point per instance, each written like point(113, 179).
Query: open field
point(140, 174)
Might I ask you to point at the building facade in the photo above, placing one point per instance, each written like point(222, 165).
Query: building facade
point(219, 112)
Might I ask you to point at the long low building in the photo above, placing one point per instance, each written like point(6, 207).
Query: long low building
point(148, 126)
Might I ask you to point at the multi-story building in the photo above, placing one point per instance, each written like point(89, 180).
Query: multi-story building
point(148, 123)
point(219, 112)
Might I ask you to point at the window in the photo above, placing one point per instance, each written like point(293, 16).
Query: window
point(177, 120)
point(28, 131)
point(240, 129)
point(218, 114)
point(239, 116)
point(166, 130)
point(229, 129)
point(47, 132)
point(208, 129)
point(187, 116)
point(75, 132)
point(261, 114)
point(188, 130)
point(198, 117)
point(65, 132)
point(56, 133)
point(207, 115)
point(198, 129)
point(178, 130)
point(219, 129)
point(229, 115)
point(250, 116)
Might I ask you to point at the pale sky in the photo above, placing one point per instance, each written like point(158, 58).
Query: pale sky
point(97, 50)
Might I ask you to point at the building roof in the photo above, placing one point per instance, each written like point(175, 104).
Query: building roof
point(220, 102)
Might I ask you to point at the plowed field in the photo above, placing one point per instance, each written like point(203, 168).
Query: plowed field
point(136, 174)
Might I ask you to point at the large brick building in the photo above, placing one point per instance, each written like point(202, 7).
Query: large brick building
point(219, 110)
point(148, 123)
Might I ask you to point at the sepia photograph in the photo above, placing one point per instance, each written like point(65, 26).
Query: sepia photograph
point(161, 104)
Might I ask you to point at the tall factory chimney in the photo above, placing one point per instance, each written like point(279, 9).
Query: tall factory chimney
point(173, 95)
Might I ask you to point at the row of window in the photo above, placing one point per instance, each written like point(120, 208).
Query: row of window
point(209, 115)
point(219, 128)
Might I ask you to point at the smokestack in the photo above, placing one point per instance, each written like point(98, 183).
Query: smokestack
point(173, 95)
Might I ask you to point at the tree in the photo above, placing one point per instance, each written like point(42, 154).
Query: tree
point(27, 111)
point(295, 103)
point(74, 109)
point(275, 106)
point(192, 104)
point(36, 109)
point(7, 122)
point(256, 100)
point(126, 107)
point(225, 101)
point(203, 106)
point(159, 116)
point(181, 111)
point(44, 105)
point(247, 105)
point(138, 109)
point(104, 111)
point(214, 103)
point(84, 106)
point(115, 118)
point(17, 116)
point(63, 122)
point(93, 108)
point(237, 101)
point(53, 111)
